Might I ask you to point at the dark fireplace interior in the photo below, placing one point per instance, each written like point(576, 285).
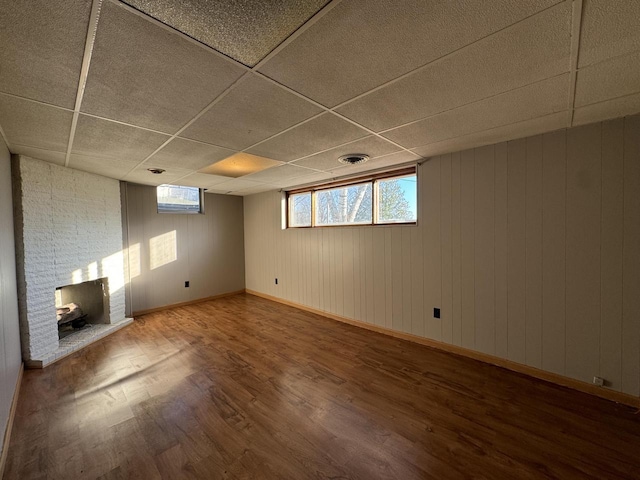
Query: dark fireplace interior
point(81, 305)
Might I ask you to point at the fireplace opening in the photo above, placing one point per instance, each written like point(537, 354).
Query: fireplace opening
point(81, 305)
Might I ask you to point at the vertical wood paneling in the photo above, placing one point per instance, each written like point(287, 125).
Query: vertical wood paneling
point(378, 275)
point(583, 252)
point(554, 166)
point(430, 195)
point(484, 274)
point(534, 252)
point(516, 255)
point(456, 257)
point(531, 249)
point(347, 259)
point(446, 249)
point(326, 270)
point(388, 277)
point(396, 266)
point(331, 261)
point(213, 263)
point(467, 235)
point(369, 298)
point(631, 259)
point(338, 258)
point(500, 250)
point(407, 289)
point(357, 275)
point(612, 239)
point(417, 280)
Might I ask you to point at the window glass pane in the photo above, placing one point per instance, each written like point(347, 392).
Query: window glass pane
point(344, 205)
point(397, 200)
point(300, 210)
point(177, 199)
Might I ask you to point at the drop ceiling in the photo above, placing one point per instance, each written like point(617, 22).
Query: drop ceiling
point(115, 88)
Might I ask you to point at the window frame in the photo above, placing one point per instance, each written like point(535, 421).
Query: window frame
point(372, 178)
point(200, 210)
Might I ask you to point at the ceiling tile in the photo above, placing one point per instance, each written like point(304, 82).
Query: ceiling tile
point(234, 185)
point(615, 108)
point(609, 28)
point(187, 155)
point(124, 144)
point(361, 44)
point(254, 190)
point(113, 167)
point(42, 48)
point(244, 30)
point(202, 180)
point(316, 177)
point(254, 110)
point(537, 100)
point(59, 158)
point(35, 125)
point(526, 128)
point(612, 78)
point(534, 49)
point(319, 134)
point(145, 75)
point(142, 176)
point(281, 173)
point(372, 146)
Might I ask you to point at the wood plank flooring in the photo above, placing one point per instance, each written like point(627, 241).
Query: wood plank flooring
point(245, 388)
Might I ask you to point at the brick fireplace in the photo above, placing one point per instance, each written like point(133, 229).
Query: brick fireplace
point(68, 232)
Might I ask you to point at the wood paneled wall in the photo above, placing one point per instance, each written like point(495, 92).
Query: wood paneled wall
point(209, 249)
point(10, 354)
point(531, 248)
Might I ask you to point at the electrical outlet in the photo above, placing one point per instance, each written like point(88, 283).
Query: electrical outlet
point(186, 284)
point(599, 381)
point(436, 313)
point(276, 281)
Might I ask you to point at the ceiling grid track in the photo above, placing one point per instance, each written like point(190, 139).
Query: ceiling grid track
point(281, 46)
point(190, 122)
point(575, 37)
point(576, 27)
point(249, 70)
point(84, 72)
point(170, 29)
point(304, 27)
point(331, 110)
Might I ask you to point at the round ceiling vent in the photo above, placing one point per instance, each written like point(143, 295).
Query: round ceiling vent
point(353, 158)
point(156, 171)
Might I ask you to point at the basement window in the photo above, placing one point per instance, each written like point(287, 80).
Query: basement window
point(179, 199)
point(378, 199)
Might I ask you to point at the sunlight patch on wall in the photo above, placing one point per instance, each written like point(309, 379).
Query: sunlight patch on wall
point(163, 249)
point(113, 267)
point(134, 261)
point(92, 270)
point(76, 276)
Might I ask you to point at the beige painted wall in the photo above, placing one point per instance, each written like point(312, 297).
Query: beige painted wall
point(10, 356)
point(531, 248)
point(165, 250)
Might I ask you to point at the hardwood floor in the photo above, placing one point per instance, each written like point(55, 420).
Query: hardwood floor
point(244, 388)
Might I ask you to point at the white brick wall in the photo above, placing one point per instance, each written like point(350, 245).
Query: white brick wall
point(70, 231)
